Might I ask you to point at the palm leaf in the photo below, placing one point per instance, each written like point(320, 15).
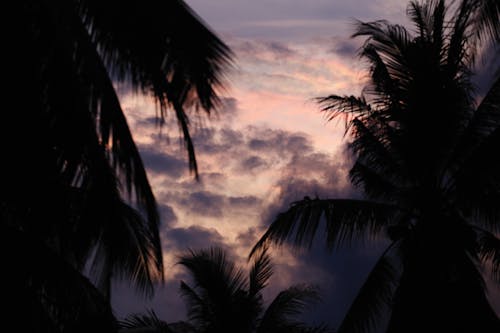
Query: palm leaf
point(127, 250)
point(375, 144)
point(260, 272)
point(375, 184)
point(148, 322)
point(391, 42)
point(213, 273)
point(489, 250)
point(373, 298)
point(461, 48)
point(158, 46)
point(487, 16)
point(288, 303)
point(345, 219)
point(199, 310)
point(350, 106)
point(163, 48)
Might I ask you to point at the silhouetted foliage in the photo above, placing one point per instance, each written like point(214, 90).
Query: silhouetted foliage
point(426, 149)
point(74, 193)
point(222, 299)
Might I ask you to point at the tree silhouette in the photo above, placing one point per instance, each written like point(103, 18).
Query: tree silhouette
point(223, 300)
point(426, 158)
point(74, 193)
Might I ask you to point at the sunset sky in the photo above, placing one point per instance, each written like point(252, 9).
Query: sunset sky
point(266, 147)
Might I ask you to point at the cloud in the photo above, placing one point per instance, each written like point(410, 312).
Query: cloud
point(204, 203)
point(178, 240)
point(159, 161)
point(227, 111)
point(347, 48)
point(245, 201)
point(252, 164)
point(167, 214)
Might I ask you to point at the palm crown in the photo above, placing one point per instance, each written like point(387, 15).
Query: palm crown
point(223, 300)
point(426, 157)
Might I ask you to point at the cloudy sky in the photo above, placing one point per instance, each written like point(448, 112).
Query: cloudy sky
point(267, 146)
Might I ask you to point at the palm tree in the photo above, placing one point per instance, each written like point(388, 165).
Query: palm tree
point(223, 300)
point(151, 323)
point(426, 158)
point(74, 193)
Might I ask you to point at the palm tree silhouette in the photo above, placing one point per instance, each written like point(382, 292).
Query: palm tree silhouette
point(223, 300)
point(426, 158)
point(74, 193)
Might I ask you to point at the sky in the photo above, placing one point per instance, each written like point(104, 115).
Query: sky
point(267, 146)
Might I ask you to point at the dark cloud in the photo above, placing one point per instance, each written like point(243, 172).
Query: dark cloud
point(258, 144)
point(167, 214)
point(203, 203)
point(227, 111)
point(162, 162)
point(231, 136)
point(246, 201)
point(252, 163)
point(347, 48)
point(279, 49)
point(193, 237)
point(271, 140)
point(213, 177)
point(257, 48)
point(248, 238)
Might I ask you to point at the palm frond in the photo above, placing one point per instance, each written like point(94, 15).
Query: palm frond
point(162, 48)
point(461, 49)
point(422, 17)
point(126, 249)
point(489, 250)
point(260, 272)
point(487, 16)
point(438, 27)
point(144, 323)
point(390, 41)
point(376, 144)
point(384, 88)
point(150, 44)
point(213, 273)
point(113, 131)
point(288, 303)
point(199, 311)
point(345, 220)
point(374, 297)
point(375, 184)
point(350, 106)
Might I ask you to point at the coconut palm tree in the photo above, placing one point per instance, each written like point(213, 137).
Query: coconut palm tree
point(426, 144)
point(75, 196)
point(223, 300)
